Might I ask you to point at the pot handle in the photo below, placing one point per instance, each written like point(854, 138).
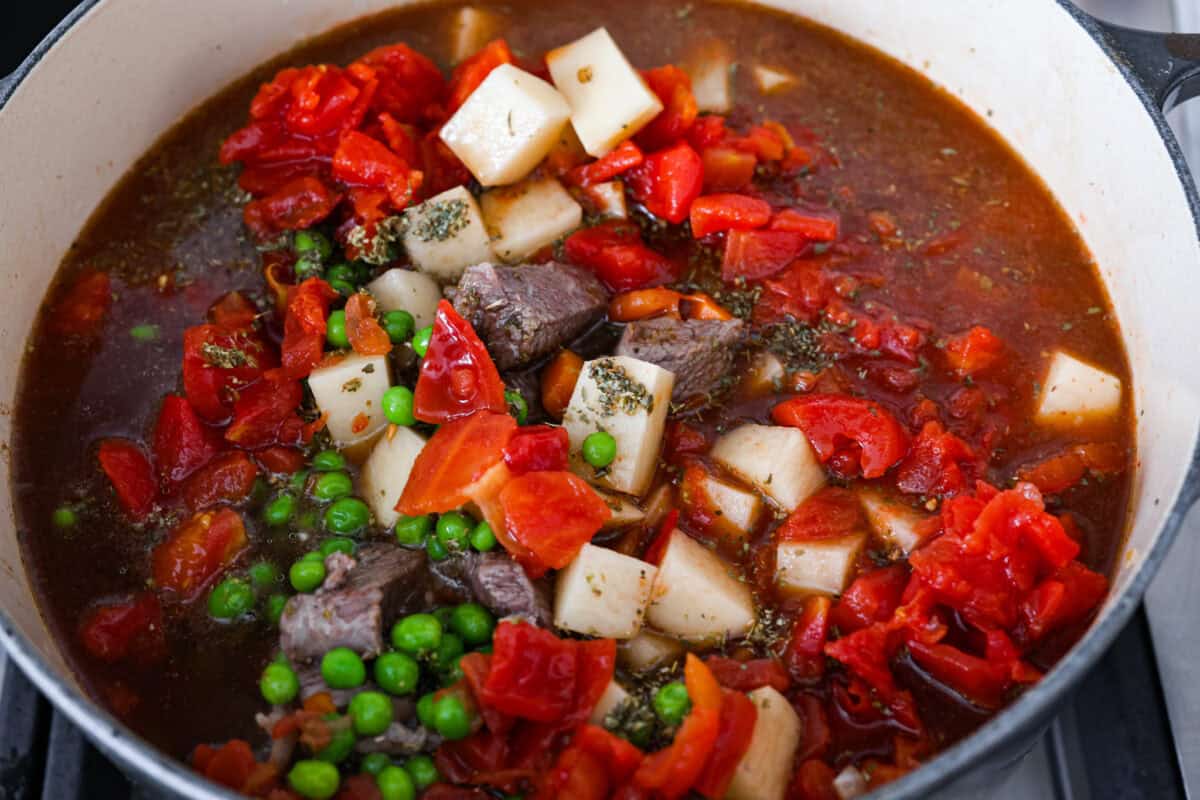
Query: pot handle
point(1166, 64)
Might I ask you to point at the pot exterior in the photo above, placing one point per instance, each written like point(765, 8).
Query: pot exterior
point(1033, 68)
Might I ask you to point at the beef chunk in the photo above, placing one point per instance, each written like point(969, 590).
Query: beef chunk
point(495, 581)
point(350, 609)
point(528, 311)
point(700, 352)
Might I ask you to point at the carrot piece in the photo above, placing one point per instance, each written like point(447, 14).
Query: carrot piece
point(558, 382)
point(644, 303)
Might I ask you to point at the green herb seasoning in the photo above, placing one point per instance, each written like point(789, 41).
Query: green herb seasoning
point(442, 221)
point(618, 391)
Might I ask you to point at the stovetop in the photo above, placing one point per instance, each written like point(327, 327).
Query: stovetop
point(1129, 733)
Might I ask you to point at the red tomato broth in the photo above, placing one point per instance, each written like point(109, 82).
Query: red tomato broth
point(972, 239)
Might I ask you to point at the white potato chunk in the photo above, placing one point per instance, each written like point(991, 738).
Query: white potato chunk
point(738, 508)
point(625, 512)
point(1075, 392)
point(350, 392)
point(609, 199)
point(773, 80)
point(648, 650)
point(766, 769)
point(708, 65)
point(603, 593)
point(470, 29)
point(613, 696)
point(820, 566)
point(894, 522)
point(407, 290)
point(697, 595)
point(777, 461)
point(850, 783)
point(609, 100)
point(506, 126)
point(526, 217)
point(629, 399)
point(386, 472)
point(446, 234)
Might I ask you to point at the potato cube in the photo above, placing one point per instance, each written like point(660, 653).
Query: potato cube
point(446, 234)
point(386, 472)
point(894, 522)
point(777, 461)
point(528, 216)
point(708, 66)
point(350, 393)
point(470, 29)
point(648, 650)
point(697, 595)
point(766, 769)
point(603, 593)
point(818, 566)
point(738, 508)
point(625, 512)
point(629, 399)
point(1075, 392)
point(773, 80)
point(609, 199)
point(407, 290)
point(609, 100)
point(506, 126)
point(613, 696)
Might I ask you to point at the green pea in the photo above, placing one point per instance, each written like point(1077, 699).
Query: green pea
point(279, 684)
point(395, 784)
point(420, 341)
point(450, 718)
point(473, 623)
point(307, 266)
point(306, 576)
point(371, 712)
point(297, 481)
point(423, 771)
point(344, 288)
point(482, 537)
point(263, 575)
point(312, 242)
point(454, 673)
point(375, 763)
point(338, 544)
point(399, 325)
point(599, 449)
point(313, 555)
point(342, 745)
point(398, 406)
point(397, 673)
point(671, 703)
point(64, 517)
point(453, 530)
point(425, 710)
point(447, 652)
point(328, 461)
point(517, 405)
point(275, 604)
point(443, 615)
point(315, 780)
point(279, 511)
point(332, 485)
point(341, 668)
point(341, 272)
point(231, 598)
point(417, 634)
point(413, 530)
point(347, 515)
point(435, 549)
point(335, 330)
point(144, 333)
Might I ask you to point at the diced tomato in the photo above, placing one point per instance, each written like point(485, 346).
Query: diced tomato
point(974, 352)
point(362, 161)
point(814, 227)
point(938, 463)
point(470, 73)
point(131, 475)
point(281, 460)
point(674, 89)
point(830, 513)
point(736, 729)
point(833, 422)
point(1061, 471)
point(746, 676)
point(613, 250)
point(304, 327)
point(299, 203)
point(727, 169)
point(754, 255)
point(262, 411)
point(1066, 597)
point(866, 654)
point(668, 181)
point(764, 141)
point(410, 85)
point(873, 597)
point(82, 310)
point(576, 774)
point(805, 651)
point(800, 291)
point(721, 212)
point(980, 680)
point(558, 382)
point(367, 337)
point(443, 170)
point(537, 448)
point(182, 443)
point(226, 479)
point(231, 765)
point(813, 781)
point(453, 459)
point(624, 157)
point(197, 551)
point(219, 361)
point(233, 310)
point(130, 628)
point(458, 377)
point(553, 515)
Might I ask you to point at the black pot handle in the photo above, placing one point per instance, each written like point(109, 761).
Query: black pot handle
point(1166, 64)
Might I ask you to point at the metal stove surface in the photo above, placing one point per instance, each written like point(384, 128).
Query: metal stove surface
point(1132, 732)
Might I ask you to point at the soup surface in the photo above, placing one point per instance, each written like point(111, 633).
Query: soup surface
point(813, 361)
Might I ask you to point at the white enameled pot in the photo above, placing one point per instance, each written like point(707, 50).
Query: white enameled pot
point(1080, 102)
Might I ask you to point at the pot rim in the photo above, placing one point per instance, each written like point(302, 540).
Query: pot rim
point(1020, 719)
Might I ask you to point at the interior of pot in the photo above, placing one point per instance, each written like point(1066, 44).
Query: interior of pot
point(128, 69)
